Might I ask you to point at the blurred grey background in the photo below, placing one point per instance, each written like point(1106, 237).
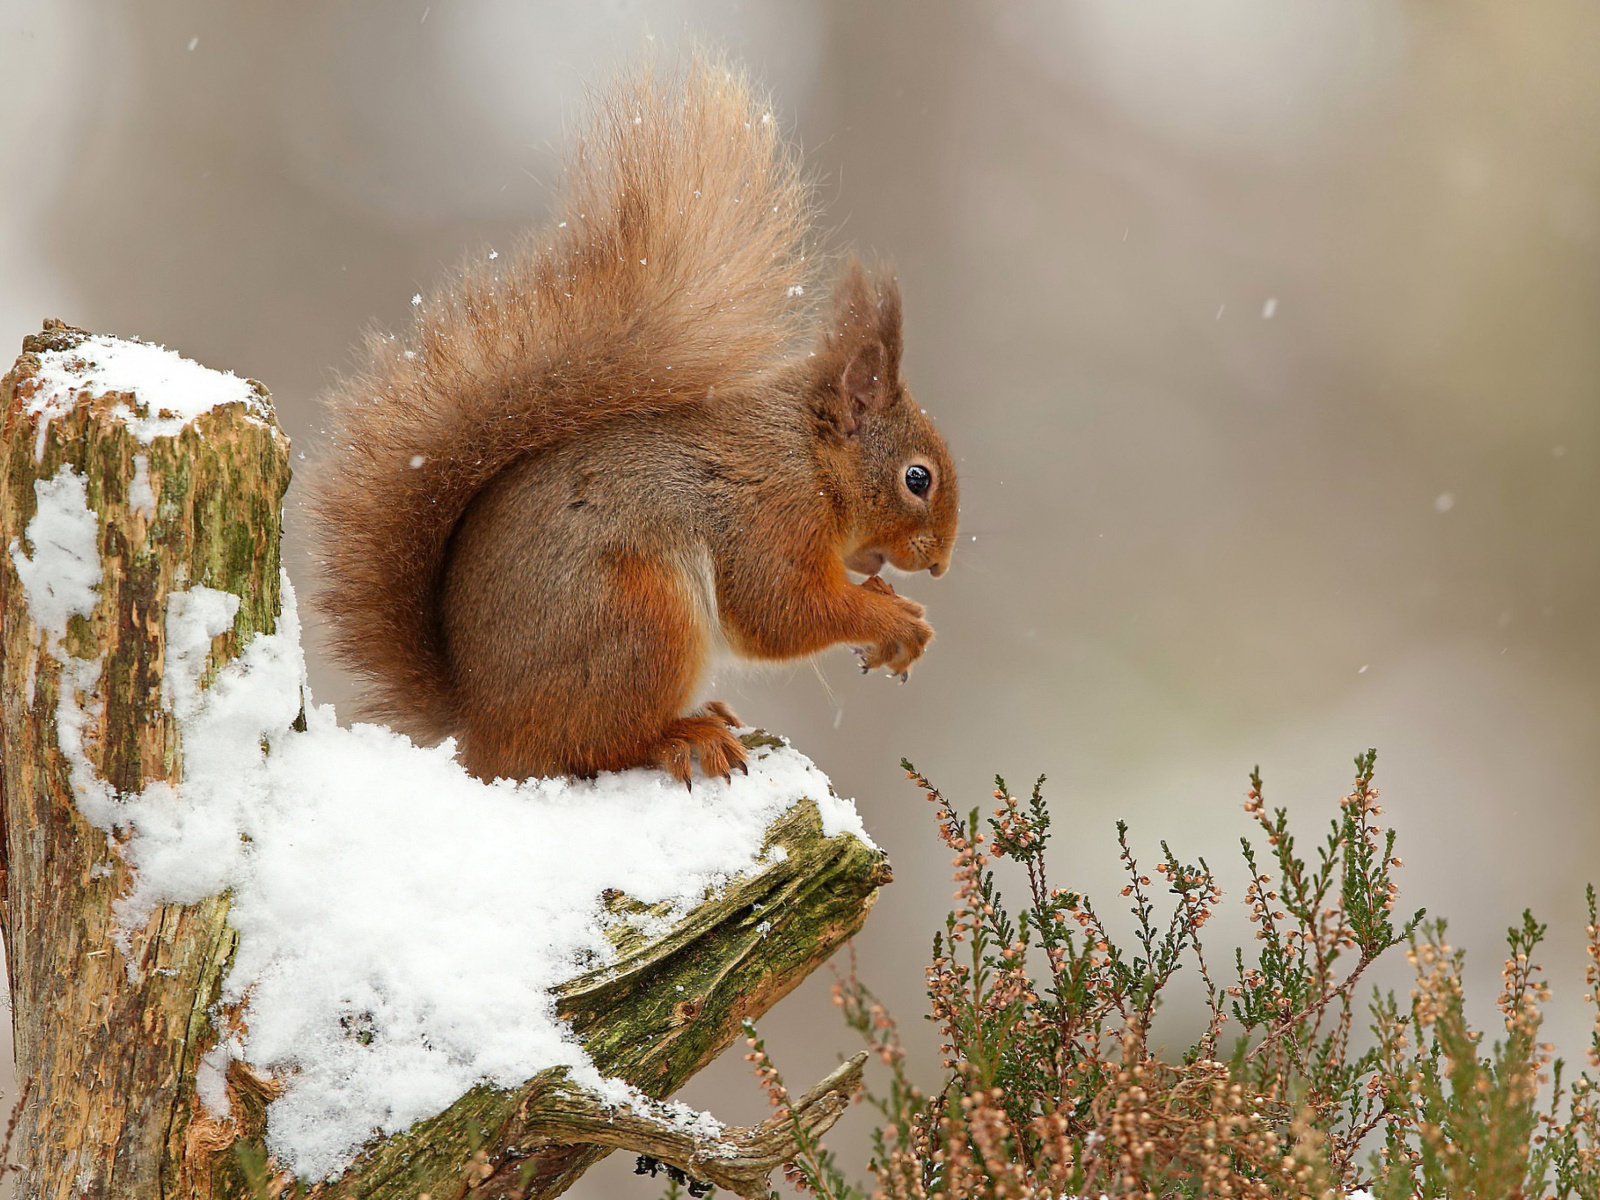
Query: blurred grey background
point(1267, 333)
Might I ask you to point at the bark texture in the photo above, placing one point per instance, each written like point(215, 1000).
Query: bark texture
point(107, 1037)
point(111, 1023)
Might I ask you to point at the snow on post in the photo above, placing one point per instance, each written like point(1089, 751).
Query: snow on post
point(305, 950)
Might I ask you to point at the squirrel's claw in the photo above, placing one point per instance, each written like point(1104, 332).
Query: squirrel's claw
point(716, 708)
point(905, 636)
point(707, 738)
point(894, 657)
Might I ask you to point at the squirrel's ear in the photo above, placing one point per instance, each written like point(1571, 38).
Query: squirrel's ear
point(863, 346)
point(864, 385)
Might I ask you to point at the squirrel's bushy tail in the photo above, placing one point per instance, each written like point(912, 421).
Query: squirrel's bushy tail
point(669, 268)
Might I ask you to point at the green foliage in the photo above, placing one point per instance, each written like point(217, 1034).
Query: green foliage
point(813, 1168)
point(257, 1178)
point(1050, 1089)
point(1462, 1124)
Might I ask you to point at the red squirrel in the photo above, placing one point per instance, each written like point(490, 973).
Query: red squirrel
point(625, 451)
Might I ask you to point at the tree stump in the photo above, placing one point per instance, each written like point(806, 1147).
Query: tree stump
point(112, 1022)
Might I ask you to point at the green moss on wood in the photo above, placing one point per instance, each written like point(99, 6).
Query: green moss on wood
point(653, 1018)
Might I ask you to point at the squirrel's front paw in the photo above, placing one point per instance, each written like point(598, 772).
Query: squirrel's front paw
point(908, 637)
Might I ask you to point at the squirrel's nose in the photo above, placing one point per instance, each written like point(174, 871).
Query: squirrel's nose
point(937, 569)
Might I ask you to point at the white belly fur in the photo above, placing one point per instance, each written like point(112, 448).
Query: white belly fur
point(700, 582)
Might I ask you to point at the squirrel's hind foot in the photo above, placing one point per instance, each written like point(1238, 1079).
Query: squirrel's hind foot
point(706, 738)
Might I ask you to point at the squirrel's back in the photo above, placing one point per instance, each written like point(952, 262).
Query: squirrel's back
point(668, 270)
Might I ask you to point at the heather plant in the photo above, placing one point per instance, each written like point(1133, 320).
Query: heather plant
point(1458, 1123)
point(1050, 1088)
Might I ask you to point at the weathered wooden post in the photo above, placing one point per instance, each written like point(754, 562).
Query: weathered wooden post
point(107, 1038)
point(109, 503)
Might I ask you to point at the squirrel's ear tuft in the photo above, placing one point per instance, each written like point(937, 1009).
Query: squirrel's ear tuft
point(889, 326)
point(863, 346)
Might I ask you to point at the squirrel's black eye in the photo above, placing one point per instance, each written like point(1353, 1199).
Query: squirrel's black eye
point(918, 479)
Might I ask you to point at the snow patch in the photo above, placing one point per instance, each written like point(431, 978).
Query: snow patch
point(401, 924)
point(194, 618)
point(211, 1079)
point(77, 709)
point(101, 365)
point(60, 580)
point(141, 496)
point(61, 577)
